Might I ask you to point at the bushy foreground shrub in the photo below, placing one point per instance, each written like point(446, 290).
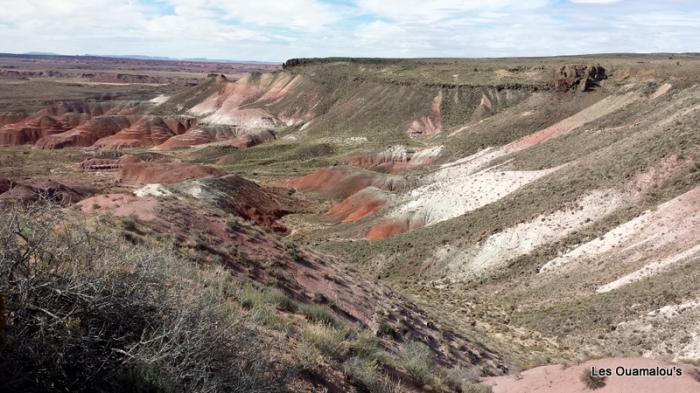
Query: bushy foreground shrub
point(85, 310)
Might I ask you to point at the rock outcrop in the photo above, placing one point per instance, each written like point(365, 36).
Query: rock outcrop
point(163, 171)
point(580, 77)
point(49, 190)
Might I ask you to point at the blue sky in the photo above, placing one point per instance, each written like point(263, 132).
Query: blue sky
point(272, 30)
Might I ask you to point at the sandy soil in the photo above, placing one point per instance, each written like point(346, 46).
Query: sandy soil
point(121, 205)
point(558, 379)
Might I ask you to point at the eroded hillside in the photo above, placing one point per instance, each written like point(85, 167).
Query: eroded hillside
point(500, 214)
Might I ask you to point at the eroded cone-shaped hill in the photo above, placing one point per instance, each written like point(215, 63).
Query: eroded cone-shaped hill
point(61, 117)
point(148, 131)
point(87, 133)
point(245, 198)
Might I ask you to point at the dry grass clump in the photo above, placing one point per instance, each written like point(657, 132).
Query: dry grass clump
point(368, 375)
point(418, 361)
point(592, 382)
point(84, 310)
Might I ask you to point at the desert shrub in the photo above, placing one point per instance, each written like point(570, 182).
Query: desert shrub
point(318, 313)
point(307, 356)
point(294, 252)
point(233, 225)
point(365, 344)
point(417, 359)
point(129, 223)
point(200, 241)
point(694, 373)
point(386, 329)
point(331, 341)
point(367, 375)
point(592, 382)
point(462, 379)
point(475, 388)
point(250, 297)
point(88, 311)
point(282, 301)
point(320, 298)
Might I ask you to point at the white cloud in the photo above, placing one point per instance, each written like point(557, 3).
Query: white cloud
point(276, 30)
point(595, 1)
point(428, 11)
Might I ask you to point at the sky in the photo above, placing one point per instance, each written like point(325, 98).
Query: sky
point(275, 30)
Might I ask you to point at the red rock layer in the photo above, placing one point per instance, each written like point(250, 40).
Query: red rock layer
point(394, 226)
point(85, 134)
point(192, 137)
point(340, 183)
point(357, 206)
point(164, 172)
point(147, 132)
point(250, 140)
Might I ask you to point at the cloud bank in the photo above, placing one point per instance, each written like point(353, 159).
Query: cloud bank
point(273, 30)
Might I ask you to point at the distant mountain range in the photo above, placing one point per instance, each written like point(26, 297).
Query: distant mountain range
point(162, 58)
